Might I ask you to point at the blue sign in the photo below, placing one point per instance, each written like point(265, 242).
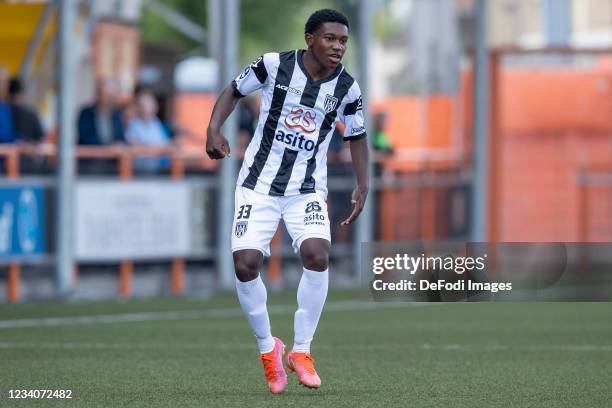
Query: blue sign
point(22, 221)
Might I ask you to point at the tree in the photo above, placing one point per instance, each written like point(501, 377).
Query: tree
point(265, 25)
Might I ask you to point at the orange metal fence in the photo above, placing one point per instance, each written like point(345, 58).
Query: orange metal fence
point(124, 156)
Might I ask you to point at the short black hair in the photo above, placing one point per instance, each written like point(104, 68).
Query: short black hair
point(15, 86)
point(319, 17)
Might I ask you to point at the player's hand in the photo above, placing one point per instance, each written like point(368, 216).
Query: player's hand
point(358, 199)
point(217, 146)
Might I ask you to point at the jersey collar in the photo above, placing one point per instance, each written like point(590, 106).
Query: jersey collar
point(298, 56)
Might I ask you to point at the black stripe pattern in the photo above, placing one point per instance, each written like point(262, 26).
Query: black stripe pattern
point(353, 107)
point(279, 185)
point(310, 93)
point(283, 78)
point(345, 81)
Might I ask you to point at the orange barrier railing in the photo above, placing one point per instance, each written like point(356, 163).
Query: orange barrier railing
point(10, 154)
point(124, 155)
point(421, 187)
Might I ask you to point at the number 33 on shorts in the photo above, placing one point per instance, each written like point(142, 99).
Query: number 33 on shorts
point(244, 212)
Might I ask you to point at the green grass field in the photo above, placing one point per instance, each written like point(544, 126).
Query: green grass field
point(200, 353)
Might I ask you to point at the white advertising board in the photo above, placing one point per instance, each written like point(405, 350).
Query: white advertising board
point(117, 220)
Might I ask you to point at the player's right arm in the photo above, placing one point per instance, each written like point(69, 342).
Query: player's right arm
point(217, 146)
point(251, 79)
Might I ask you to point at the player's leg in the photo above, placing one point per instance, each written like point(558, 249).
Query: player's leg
point(312, 291)
point(255, 222)
point(252, 295)
point(307, 221)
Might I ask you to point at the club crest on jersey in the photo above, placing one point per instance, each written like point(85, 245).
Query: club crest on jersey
point(241, 228)
point(330, 103)
point(301, 118)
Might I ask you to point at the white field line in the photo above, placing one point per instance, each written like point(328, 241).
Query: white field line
point(352, 347)
point(219, 313)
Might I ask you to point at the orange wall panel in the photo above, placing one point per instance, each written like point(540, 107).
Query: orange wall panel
point(193, 112)
point(555, 99)
point(440, 120)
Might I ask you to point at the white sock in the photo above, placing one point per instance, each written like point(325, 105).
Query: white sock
point(252, 296)
point(311, 295)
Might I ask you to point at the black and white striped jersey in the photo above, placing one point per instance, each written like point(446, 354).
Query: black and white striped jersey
point(288, 153)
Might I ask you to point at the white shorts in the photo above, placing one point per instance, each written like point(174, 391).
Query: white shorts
point(256, 218)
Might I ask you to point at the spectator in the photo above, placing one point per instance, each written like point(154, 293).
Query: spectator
point(100, 124)
point(7, 133)
point(26, 124)
point(145, 129)
point(173, 132)
point(380, 141)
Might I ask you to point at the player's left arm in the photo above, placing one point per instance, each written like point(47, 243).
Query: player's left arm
point(360, 158)
point(355, 133)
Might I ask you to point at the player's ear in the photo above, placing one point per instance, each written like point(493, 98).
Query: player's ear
point(309, 38)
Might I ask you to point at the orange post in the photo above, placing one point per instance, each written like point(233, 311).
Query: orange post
point(274, 263)
point(177, 169)
point(14, 273)
point(12, 164)
point(14, 270)
point(125, 166)
point(178, 275)
point(178, 264)
point(126, 271)
point(126, 268)
point(495, 158)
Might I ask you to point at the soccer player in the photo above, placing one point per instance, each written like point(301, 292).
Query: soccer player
point(284, 176)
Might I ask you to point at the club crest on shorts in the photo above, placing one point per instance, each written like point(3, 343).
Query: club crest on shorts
point(241, 228)
point(330, 103)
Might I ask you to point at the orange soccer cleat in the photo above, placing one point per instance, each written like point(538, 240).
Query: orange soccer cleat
point(303, 365)
point(273, 368)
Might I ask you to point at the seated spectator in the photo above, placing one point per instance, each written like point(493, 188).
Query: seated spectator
point(173, 131)
point(100, 124)
point(26, 124)
point(145, 129)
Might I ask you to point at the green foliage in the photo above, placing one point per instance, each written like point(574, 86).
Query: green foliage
point(265, 25)
point(156, 30)
point(382, 25)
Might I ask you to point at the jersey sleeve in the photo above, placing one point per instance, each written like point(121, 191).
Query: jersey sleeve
point(352, 115)
point(252, 78)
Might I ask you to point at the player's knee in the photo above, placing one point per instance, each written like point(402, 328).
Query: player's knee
point(315, 261)
point(315, 257)
point(247, 265)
